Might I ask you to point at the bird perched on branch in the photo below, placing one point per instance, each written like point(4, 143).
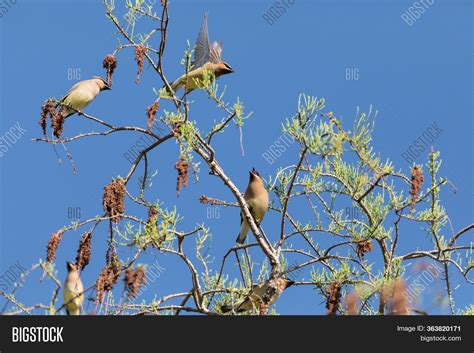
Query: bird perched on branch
point(207, 57)
point(73, 290)
point(257, 198)
point(82, 94)
point(261, 297)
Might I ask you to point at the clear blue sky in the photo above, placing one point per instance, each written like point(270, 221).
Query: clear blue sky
point(413, 75)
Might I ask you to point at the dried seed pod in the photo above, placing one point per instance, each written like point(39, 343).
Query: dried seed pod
point(84, 251)
point(206, 199)
point(109, 63)
point(57, 123)
point(183, 170)
point(151, 113)
point(109, 274)
point(53, 245)
point(105, 282)
point(416, 183)
point(45, 110)
point(333, 297)
point(114, 199)
point(56, 117)
point(134, 279)
point(140, 51)
point(364, 247)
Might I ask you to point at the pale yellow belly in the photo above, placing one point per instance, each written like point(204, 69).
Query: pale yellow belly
point(79, 100)
point(73, 301)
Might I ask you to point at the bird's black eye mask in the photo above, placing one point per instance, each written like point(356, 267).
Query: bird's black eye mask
point(107, 86)
point(227, 67)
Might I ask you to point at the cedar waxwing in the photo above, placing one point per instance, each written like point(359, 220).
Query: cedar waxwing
point(73, 290)
point(265, 293)
point(206, 57)
point(82, 94)
point(257, 198)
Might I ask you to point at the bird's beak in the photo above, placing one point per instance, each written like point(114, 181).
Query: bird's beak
point(70, 266)
point(228, 69)
point(108, 87)
point(289, 283)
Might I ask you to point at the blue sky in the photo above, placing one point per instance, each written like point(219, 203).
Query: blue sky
point(413, 76)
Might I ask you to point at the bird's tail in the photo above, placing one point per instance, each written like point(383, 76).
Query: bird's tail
point(244, 230)
point(67, 113)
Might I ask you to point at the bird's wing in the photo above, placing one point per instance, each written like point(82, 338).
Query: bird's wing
point(253, 299)
point(202, 48)
point(216, 53)
point(72, 89)
point(80, 83)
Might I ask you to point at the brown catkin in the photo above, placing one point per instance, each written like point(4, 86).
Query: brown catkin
point(53, 245)
point(57, 122)
point(105, 282)
point(183, 170)
point(114, 199)
point(133, 280)
point(56, 117)
point(109, 64)
point(140, 51)
point(84, 251)
point(364, 247)
point(206, 199)
point(333, 297)
point(416, 183)
point(108, 275)
point(151, 113)
point(44, 116)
